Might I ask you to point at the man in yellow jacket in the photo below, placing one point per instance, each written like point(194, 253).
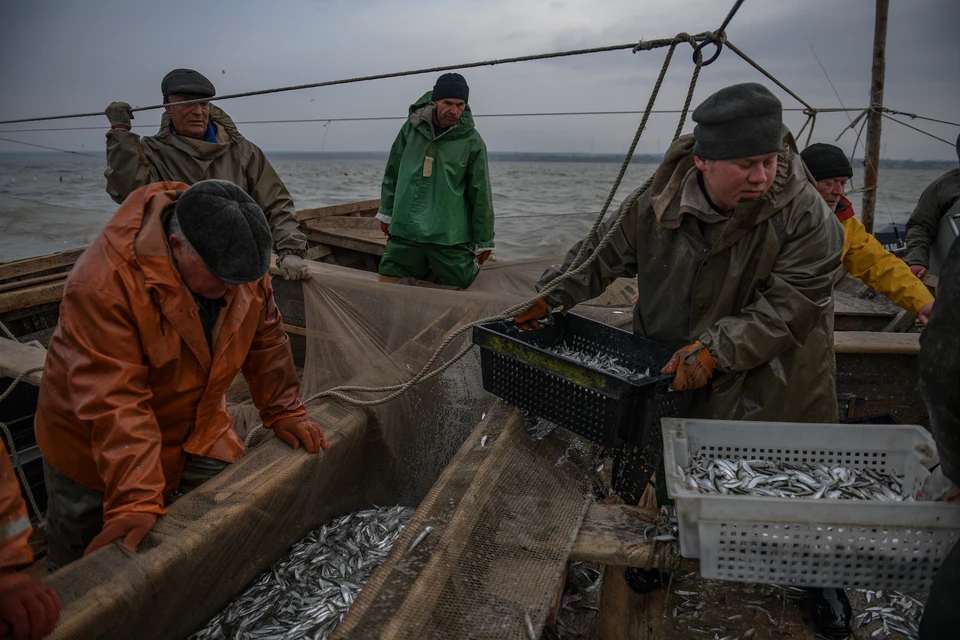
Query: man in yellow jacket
point(863, 256)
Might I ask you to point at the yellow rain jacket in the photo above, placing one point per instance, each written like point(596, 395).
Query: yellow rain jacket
point(866, 259)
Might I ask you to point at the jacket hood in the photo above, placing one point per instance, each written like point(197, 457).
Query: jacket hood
point(669, 179)
point(135, 233)
point(421, 112)
point(227, 132)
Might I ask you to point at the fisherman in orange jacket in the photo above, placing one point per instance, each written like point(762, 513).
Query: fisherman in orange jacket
point(28, 609)
point(863, 256)
point(158, 317)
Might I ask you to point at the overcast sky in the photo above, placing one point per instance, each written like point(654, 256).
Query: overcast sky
point(64, 56)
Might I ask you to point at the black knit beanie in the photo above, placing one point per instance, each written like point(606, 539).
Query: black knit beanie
point(826, 161)
point(227, 229)
point(451, 85)
point(739, 121)
point(186, 82)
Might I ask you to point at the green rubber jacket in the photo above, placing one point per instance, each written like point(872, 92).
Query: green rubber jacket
point(446, 200)
point(924, 223)
point(758, 294)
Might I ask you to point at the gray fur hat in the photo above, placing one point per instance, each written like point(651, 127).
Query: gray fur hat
point(227, 229)
point(739, 121)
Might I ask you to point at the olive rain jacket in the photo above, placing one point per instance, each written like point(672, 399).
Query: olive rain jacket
point(759, 296)
point(133, 162)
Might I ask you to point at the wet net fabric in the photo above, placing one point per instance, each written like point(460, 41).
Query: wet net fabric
point(217, 539)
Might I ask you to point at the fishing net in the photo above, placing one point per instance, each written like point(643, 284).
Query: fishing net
point(505, 543)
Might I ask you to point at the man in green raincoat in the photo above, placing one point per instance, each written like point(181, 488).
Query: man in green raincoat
point(436, 204)
point(197, 142)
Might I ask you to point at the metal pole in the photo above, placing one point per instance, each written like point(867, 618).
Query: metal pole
point(875, 118)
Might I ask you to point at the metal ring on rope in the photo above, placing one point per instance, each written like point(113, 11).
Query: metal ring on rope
point(711, 38)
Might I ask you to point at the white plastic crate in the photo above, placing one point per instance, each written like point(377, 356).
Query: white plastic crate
point(806, 541)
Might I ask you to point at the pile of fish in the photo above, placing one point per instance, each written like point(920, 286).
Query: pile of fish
point(600, 362)
point(307, 592)
point(896, 613)
point(780, 479)
point(579, 605)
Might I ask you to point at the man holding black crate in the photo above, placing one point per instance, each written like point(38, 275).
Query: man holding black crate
point(735, 253)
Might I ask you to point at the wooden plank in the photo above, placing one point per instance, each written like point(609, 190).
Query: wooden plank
point(30, 282)
point(873, 342)
point(615, 600)
point(317, 252)
point(343, 222)
point(15, 358)
point(612, 534)
point(24, 298)
point(29, 266)
point(371, 245)
point(902, 322)
point(365, 206)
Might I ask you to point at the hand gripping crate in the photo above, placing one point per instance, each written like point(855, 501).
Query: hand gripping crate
point(804, 541)
point(600, 406)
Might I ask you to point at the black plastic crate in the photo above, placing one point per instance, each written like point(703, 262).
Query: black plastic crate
point(883, 418)
point(602, 407)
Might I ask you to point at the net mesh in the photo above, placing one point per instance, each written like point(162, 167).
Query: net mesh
point(217, 539)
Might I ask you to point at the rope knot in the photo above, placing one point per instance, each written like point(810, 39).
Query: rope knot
point(709, 37)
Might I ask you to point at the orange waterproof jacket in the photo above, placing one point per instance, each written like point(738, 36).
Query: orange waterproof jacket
point(866, 259)
point(129, 385)
point(15, 526)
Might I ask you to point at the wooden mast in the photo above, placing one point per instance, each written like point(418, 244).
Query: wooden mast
point(875, 117)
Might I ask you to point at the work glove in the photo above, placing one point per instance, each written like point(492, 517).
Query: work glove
point(293, 431)
point(293, 267)
point(28, 609)
point(918, 270)
point(692, 365)
point(484, 256)
point(530, 319)
point(924, 314)
point(119, 114)
point(385, 228)
point(937, 487)
point(132, 527)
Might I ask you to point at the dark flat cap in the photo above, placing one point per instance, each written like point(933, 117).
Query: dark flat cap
point(187, 82)
point(227, 228)
point(739, 121)
point(826, 161)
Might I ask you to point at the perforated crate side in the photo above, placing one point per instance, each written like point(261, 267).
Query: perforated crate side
point(875, 557)
point(579, 409)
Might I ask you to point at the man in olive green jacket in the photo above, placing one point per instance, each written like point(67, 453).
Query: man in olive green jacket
point(199, 142)
point(436, 204)
point(734, 252)
point(924, 224)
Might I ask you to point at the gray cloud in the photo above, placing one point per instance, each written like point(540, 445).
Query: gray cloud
point(65, 57)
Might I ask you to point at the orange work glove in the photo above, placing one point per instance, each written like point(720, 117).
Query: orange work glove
point(293, 431)
point(530, 319)
point(693, 366)
point(28, 609)
point(385, 228)
point(484, 256)
point(132, 527)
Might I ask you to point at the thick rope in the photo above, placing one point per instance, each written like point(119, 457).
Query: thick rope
point(813, 125)
point(914, 116)
point(7, 332)
point(381, 76)
point(14, 456)
point(425, 373)
point(476, 116)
